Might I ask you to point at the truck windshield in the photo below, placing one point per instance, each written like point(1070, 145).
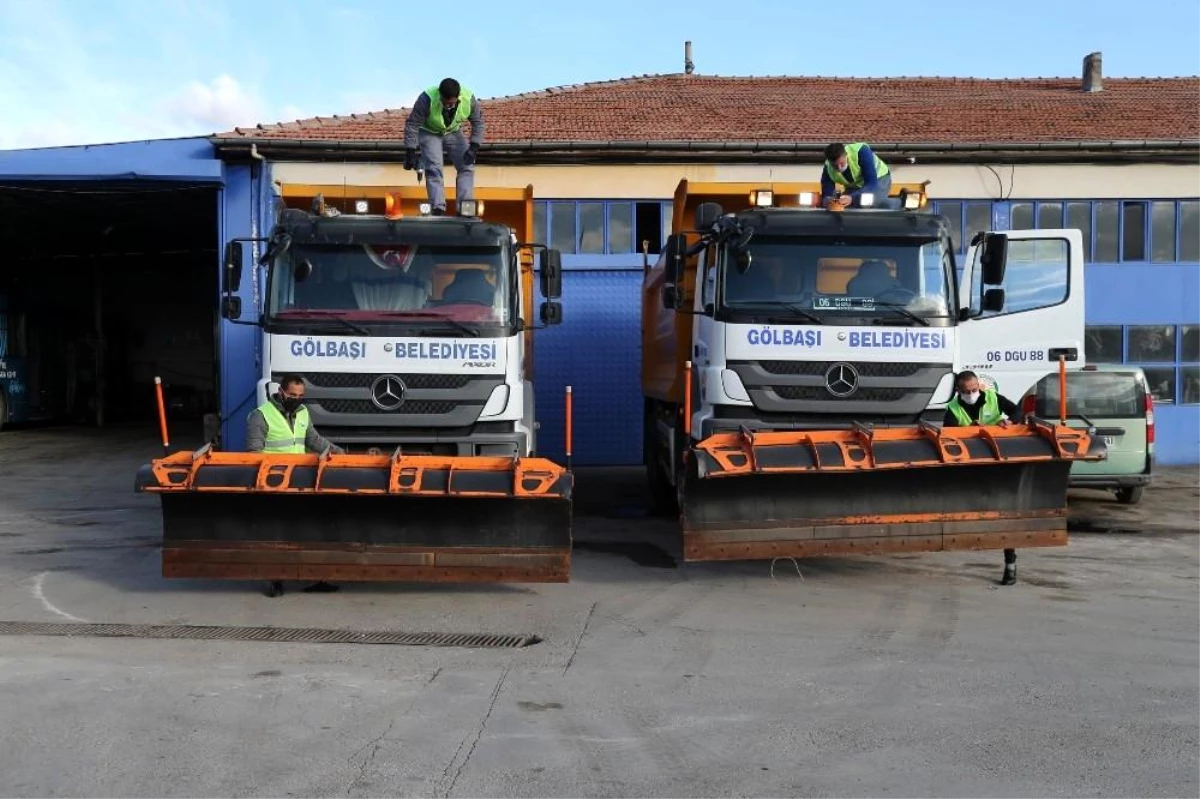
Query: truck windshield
point(841, 282)
point(455, 287)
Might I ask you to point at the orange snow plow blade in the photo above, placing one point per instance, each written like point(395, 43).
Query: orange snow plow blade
point(750, 496)
point(253, 516)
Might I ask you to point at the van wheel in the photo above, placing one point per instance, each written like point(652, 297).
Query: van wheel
point(1130, 496)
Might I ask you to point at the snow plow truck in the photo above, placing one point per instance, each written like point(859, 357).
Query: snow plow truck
point(413, 334)
point(798, 360)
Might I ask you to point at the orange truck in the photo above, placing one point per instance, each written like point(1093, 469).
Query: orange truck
point(797, 364)
point(413, 335)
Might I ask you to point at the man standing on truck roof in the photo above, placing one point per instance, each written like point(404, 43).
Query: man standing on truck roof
point(857, 170)
point(434, 129)
point(976, 405)
point(281, 424)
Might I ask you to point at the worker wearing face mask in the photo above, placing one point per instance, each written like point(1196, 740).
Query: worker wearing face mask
point(976, 405)
point(281, 424)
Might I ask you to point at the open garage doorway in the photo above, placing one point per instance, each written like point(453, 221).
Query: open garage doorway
point(103, 286)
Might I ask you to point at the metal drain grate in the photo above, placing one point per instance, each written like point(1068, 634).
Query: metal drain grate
point(285, 635)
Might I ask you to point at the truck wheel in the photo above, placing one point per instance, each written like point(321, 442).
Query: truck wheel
point(662, 493)
point(1130, 496)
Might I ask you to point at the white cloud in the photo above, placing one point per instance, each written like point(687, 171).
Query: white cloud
point(218, 105)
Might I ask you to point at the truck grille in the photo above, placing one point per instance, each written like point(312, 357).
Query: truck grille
point(818, 368)
point(365, 379)
point(819, 393)
point(412, 407)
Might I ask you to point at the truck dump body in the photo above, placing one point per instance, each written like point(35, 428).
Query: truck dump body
point(461, 496)
point(780, 429)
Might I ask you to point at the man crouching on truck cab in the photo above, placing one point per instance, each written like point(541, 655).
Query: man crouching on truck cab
point(281, 425)
point(858, 171)
point(985, 407)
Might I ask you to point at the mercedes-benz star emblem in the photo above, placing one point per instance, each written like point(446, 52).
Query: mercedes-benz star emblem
point(387, 392)
point(841, 380)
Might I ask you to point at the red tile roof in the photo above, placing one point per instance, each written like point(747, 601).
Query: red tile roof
point(681, 107)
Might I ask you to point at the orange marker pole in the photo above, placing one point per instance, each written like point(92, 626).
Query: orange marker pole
point(687, 399)
point(570, 425)
point(1062, 389)
point(162, 416)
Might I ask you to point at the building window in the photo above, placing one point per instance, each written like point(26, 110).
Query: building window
point(1103, 344)
point(1162, 232)
point(591, 228)
point(1107, 233)
point(1189, 231)
point(1079, 216)
point(1152, 344)
point(1133, 233)
point(1162, 382)
point(620, 227)
point(1049, 216)
point(1189, 385)
point(979, 219)
point(1189, 343)
point(1021, 216)
point(953, 213)
point(562, 227)
point(539, 222)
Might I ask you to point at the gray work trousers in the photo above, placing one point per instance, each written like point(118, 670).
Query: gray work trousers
point(433, 149)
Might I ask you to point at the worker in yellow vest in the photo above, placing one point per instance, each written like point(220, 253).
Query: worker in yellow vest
point(281, 424)
point(856, 170)
point(434, 130)
point(974, 404)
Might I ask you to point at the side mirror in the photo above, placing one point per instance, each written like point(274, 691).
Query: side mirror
point(993, 258)
point(552, 313)
point(232, 273)
point(672, 297)
point(304, 271)
point(707, 215)
point(551, 275)
point(742, 261)
point(676, 247)
point(993, 300)
point(231, 307)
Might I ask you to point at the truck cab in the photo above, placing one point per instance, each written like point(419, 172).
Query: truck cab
point(770, 313)
point(410, 331)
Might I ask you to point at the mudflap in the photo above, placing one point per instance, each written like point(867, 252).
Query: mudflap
point(757, 496)
point(342, 518)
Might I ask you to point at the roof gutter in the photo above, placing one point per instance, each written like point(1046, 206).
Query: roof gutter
point(545, 152)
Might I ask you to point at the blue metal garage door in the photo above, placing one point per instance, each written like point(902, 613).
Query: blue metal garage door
point(597, 351)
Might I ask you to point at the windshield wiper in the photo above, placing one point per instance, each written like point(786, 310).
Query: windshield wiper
point(900, 309)
point(470, 331)
point(334, 315)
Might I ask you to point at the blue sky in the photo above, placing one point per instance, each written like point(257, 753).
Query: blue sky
point(87, 71)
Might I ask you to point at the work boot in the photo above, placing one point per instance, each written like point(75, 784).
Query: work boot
point(439, 211)
point(274, 589)
point(320, 587)
point(1010, 574)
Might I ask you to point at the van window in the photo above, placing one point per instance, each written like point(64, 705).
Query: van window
point(1096, 395)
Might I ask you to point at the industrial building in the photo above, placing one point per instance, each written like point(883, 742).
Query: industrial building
point(113, 251)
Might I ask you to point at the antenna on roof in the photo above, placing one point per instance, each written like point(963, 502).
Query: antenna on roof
point(688, 66)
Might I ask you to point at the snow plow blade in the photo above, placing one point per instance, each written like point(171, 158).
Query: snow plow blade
point(751, 496)
point(341, 518)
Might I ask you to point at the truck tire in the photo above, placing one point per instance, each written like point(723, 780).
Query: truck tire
point(662, 493)
point(1131, 495)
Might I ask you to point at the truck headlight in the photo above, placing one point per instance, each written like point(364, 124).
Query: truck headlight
point(866, 199)
point(470, 208)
